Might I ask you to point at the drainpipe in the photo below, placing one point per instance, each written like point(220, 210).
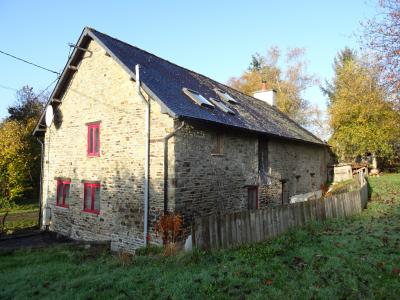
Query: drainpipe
point(147, 156)
point(40, 181)
point(166, 138)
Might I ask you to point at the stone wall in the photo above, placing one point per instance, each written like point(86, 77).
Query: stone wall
point(299, 167)
point(206, 183)
point(102, 91)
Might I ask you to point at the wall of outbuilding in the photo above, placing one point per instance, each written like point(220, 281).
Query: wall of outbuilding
point(206, 183)
point(293, 168)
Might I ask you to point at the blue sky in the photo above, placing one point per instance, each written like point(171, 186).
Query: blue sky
point(215, 38)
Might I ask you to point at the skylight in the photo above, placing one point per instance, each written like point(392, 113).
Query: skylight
point(198, 98)
point(225, 96)
point(222, 106)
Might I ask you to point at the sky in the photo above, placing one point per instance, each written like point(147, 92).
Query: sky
point(214, 38)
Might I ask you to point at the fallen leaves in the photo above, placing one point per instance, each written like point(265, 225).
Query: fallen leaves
point(268, 281)
point(395, 271)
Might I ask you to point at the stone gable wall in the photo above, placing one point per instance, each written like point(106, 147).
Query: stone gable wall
point(102, 91)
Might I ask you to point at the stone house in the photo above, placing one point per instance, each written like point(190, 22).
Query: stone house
point(134, 135)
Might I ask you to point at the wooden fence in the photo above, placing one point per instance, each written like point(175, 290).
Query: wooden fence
point(230, 230)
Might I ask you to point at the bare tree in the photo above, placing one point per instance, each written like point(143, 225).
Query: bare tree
point(381, 35)
point(286, 73)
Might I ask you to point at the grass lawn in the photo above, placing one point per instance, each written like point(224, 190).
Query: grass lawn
point(350, 258)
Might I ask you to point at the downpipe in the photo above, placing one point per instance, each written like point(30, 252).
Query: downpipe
point(166, 138)
point(40, 181)
point(147, 156)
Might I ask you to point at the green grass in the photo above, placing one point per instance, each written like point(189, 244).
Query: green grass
point(21, 217)
point(355, 258)
point(12, 227)
point(343, 186)
point(22, 206)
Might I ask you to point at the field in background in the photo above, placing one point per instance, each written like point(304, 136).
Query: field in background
point(24, 216)
point(358, 257)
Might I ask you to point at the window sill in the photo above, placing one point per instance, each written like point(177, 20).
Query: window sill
point(217, 154)
point(93, 155)
point(94, 212)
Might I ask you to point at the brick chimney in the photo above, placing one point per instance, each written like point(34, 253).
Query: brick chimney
point(268, 96)
point(263, 86)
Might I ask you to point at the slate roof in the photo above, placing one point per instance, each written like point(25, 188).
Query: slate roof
point(165, 81)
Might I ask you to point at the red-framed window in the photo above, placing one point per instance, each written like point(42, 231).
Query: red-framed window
point(93, 139)
point(91, 197)
point(62, 197)
point(252, 197)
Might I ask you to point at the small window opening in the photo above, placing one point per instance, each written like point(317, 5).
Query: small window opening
point(197, 98)
point(217, 144)
point(225, 96)
point(252, 197)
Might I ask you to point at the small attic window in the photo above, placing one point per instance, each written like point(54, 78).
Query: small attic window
point(222, 106)
point(198, 98)
point(225, 96)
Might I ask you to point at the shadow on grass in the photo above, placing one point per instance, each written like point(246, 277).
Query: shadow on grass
point(370, 189)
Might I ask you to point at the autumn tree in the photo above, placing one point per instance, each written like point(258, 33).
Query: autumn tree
point(289, 81)
point(18, 159)
point(381, 35)
point(361, 118)
point(19, 150)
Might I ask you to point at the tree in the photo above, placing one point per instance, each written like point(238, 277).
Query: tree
point(381, 35)
point(362, 121)
point(318, 122)
point(339, 62)
point(19, 150)
point(290, 82)
point(28, 105)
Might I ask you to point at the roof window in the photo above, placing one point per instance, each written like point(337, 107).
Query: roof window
point(225, 96)
point(222, 106)
point(198, 98)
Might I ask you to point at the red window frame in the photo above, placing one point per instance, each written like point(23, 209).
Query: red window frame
point(91, 140)
point(64, 183)
point(92, 186)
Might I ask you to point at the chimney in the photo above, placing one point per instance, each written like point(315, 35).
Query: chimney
point(264, 86)
point(266, 95)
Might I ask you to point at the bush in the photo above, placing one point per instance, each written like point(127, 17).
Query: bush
point(170, 228)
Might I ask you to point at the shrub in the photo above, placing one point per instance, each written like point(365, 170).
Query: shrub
point(170, 227)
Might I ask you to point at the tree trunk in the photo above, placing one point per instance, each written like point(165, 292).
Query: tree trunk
point(3, 221)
